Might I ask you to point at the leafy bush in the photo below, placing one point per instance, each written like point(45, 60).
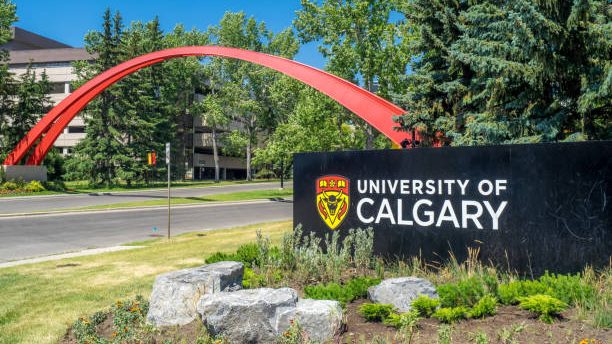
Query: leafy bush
point(486, 306)
point(128, 323)
point(10, 186)
point(354, 289)
point(510, 293)
point(545, 306)
point(127, 316)
point(425, 306)
point(250, 279)
point(375, 312)
point(34, 186)
point(248, 254)
point(399, 321)
point(567, 288)
point(308, 257)
point(463, 293)
point(221, 257)
point(450, 314)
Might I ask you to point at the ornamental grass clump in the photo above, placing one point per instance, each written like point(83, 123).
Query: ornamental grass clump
point(545, 307)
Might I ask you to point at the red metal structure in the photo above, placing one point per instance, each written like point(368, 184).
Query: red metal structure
point(373, 109)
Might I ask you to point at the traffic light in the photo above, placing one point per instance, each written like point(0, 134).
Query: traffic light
point(152, 158)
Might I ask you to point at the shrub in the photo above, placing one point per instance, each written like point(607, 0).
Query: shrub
point(450, 314)
point(545, 306)
point(425, 306)
point(404, 320)
point(248, 254)
point(308, 257)
point(10, 186)
point(221, 257)
point(34, 186)
point(250, 279)
point(128, 316)
point(463, 293)
point(567, 288)
point(486, 306)
point(375, 312)
point(352, 290)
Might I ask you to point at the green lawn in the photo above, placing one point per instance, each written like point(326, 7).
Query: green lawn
point(83, 186)
point(79, 187)
point(224, 197)
point(39, 301)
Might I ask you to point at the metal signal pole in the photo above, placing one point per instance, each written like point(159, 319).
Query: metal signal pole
point(168, 164)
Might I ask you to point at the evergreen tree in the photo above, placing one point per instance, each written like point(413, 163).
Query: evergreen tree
point(511, 71)
point(30, 102)
point(145, 124)
point(99, 155)
point(7, 17)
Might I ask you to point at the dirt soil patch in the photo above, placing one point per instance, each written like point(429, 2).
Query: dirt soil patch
point(509, 325)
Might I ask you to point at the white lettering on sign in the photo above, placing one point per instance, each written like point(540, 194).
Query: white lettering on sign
point(402, 202)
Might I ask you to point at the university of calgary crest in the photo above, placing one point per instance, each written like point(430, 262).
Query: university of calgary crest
point(332, 199)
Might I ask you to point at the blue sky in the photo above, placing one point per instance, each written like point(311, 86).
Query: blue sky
point(69, 20)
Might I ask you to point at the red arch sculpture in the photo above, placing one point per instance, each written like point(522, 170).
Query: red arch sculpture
point(373, 109)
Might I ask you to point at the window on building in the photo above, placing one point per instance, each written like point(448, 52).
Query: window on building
point(76, 130)
point(58, 87)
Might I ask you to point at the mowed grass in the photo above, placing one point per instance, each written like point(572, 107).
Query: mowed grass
point(224, 197)
point(39, 302)
point(83, 187)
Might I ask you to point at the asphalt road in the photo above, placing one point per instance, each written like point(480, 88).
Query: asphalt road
point(55, 202)
point(30, 236)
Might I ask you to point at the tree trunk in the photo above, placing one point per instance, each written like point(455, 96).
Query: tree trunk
point(248, 155)
point(369, 144)
point(215, 153)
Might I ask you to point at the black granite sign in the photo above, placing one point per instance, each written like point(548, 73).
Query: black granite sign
point(532, 207)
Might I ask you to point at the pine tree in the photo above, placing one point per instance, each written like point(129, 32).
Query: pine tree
point(511, 71)
point(99, 155)
point(30, 102)
point(7, 18)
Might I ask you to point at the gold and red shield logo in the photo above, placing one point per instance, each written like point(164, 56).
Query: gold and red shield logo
point(333, 199)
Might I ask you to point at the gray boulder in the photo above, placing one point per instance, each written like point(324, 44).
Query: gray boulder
point(246, 316)
point(401, 291)
point(175, 294)
point(321, 320)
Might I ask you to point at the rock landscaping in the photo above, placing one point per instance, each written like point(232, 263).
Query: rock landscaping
point(299, 293)
point(401, 291)
point(175, 294)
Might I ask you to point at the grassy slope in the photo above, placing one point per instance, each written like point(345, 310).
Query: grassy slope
point(39, 301)
point(232, 196)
